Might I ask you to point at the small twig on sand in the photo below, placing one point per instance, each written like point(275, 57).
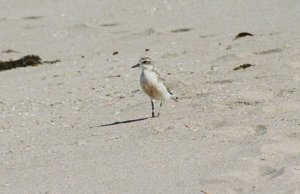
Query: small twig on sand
point(204, 192)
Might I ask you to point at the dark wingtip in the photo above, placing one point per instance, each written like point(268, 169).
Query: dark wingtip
point(175, 98)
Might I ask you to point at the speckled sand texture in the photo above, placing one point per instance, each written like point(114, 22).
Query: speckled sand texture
point(78, 126)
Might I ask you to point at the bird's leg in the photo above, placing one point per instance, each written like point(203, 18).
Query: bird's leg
point(159, 109)
point(152, 105)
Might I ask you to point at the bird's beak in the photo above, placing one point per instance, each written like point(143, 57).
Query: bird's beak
point(137, 65)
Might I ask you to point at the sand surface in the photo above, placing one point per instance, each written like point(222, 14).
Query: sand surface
point(82, 126)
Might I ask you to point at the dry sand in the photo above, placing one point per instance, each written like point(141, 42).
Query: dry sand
point(76, 126)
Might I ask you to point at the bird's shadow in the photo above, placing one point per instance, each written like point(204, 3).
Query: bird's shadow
point(121, 122)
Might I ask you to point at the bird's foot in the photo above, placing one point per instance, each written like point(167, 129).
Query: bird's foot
point(155, 116)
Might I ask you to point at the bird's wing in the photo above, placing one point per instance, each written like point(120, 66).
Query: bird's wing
point(162, 80)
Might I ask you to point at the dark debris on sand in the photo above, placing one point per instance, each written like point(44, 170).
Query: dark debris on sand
point(181, 30)
point(28, 60)
point(244, 66)
point(53, 61)
point(242, 34)
point(9, 51)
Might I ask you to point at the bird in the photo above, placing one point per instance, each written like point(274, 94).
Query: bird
point(153, 84)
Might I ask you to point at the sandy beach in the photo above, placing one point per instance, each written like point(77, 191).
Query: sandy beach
point(82, 124)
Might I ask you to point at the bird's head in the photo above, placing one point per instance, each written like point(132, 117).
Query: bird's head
point(145, 63)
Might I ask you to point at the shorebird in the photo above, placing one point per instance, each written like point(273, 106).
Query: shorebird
point(153, 84)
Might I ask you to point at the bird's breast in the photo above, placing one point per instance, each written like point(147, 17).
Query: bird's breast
point(149, 85)
point(151, 90)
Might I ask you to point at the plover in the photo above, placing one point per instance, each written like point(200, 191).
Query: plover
point(153, 84)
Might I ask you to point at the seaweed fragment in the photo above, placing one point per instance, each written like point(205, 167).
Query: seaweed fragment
point(28, 60)
point(244, 66)
point(242, 34)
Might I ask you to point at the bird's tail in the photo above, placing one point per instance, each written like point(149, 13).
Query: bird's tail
point(175, 98)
